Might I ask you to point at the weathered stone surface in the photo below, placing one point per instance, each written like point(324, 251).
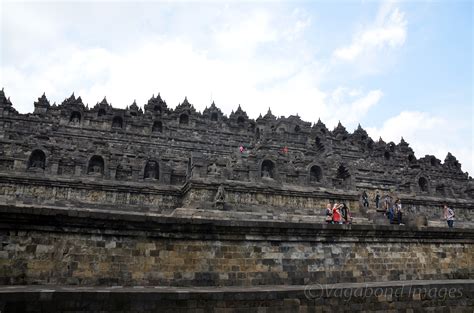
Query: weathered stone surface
point(174, 197)
point(157, 159)
point(51, 246)
point(391, 296)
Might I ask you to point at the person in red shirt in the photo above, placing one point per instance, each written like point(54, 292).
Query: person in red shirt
point(336, 214)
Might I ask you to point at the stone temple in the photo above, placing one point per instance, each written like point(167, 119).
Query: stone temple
point(173, 210)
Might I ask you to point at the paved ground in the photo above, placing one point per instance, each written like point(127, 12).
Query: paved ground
point(258, 289)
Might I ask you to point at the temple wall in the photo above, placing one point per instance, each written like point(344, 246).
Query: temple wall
point(61, 141)
point(50, 246)
point(257, 198)
point(131, 197)
point(274, 201)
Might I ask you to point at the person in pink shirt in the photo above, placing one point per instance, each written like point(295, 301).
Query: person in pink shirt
point(336, 214)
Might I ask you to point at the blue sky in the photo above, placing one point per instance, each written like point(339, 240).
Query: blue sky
point(397, 68)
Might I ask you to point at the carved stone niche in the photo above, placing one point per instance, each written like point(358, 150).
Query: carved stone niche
point(267, 170)
point(152, 171)
point(198, 166)
point(75, 118)
point(183, 119)
point(117, 122)
point(343, 179)
point(315, 174)
point(96, 166)
point(213, 170)
point(423, 184)
point(157, 127)
point(37, 161)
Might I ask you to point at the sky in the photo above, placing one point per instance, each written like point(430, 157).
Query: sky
point(399, 69)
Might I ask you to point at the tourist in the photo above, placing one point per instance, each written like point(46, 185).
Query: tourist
point(346, 214)
point(336, 213)
point(398, 211)
point(377, 200)
point(365, 199)
point(343, 210)
point(328, 213)
point(386, 202)
point(390, 213)
point(449, 215)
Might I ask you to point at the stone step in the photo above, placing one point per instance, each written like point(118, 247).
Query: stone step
point(457, 224)
point(230, 215)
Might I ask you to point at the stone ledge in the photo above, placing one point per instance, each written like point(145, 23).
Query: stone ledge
point(415, 297)
point(212, 292)
point(158, 225)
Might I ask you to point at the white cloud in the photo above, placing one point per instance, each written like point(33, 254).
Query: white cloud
point(350, 105)
point(256, 57)
point(236, 74)
point(177, 69)
point(244, 36)
point(428, 134)
point(388, 31)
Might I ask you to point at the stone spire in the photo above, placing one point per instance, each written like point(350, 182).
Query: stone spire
point(269, 115)
point(360, 132)
point(5, 103)
point(104, 102)
point(185, 106)
point(451, 161)
point(238, 113)
point(403, 143)
point(340, 130)
point(158, 98)
point(134, 106)
point(72, 101)
point(41, 105)
point(156, 105)
point(320, 126)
